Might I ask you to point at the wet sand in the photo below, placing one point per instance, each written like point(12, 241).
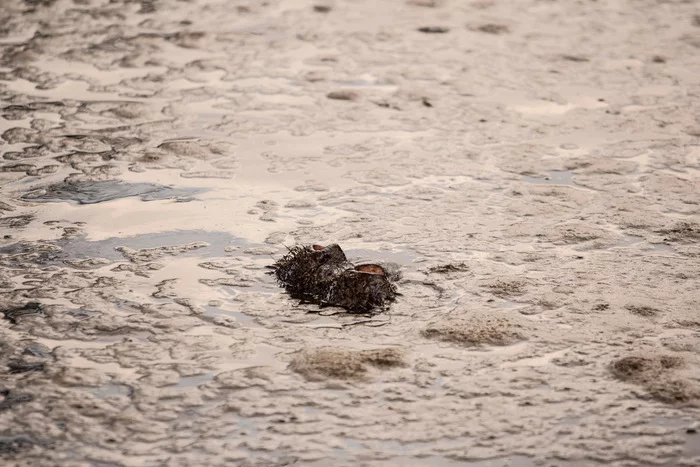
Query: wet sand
point(532, 166)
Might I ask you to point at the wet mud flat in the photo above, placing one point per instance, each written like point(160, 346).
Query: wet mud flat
point(532, 167)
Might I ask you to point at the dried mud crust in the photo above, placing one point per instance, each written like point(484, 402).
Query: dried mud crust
point(532, 163)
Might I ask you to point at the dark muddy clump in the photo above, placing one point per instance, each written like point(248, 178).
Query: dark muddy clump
point(21, 366)
point(433, 29)
point(14, 444)
point(323, 275)
point(16, 222)
point(14, 315)
point(12, 398)
point(495, 29)
point(343, 95)
point(643, 310)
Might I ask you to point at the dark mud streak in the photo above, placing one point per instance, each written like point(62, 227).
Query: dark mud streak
point(13, 398)
point(93, 192)
point(30, 309)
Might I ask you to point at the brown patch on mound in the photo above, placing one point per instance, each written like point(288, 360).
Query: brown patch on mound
point(641, 369)
point(343, 95)
point(329, 363)
point(655, 374)
point(682, 232)
point(507, 288)
point(475, 331)
point(571, 233)
point(643, 310)
point(493, 28)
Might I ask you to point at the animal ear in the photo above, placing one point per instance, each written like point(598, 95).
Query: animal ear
point(318, 247)
point(371, 268)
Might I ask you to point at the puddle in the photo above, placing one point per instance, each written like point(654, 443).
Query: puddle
point(242, 318)
point(570, 421)
point(689, 430)
point(440, 461)
point(218, 241)
point(650, 248)
point(556, 177)
point(57, 253)
point(692, 444)
point(110, 389)
point(194, 381)
point(413, 454)
point(87, 192)
point(509, 304)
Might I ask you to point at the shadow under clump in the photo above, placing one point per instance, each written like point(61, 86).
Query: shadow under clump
point(331, 363)
point(475, 331)
point(655, 374)
point(324, 276)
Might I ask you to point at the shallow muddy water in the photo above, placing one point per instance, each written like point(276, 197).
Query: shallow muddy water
point(533, 167)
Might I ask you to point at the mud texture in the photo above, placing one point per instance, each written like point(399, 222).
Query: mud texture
point(532, 166)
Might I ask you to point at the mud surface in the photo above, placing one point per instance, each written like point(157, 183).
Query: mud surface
point(533, 166)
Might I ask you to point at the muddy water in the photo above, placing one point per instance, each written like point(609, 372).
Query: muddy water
point(533, 166)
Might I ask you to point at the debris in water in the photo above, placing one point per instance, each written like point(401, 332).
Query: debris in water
point(323, 275)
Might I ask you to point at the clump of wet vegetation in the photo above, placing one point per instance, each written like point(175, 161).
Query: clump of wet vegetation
point(344, 364)
point(475, 331)
point(323, 275)
point(655, 374)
